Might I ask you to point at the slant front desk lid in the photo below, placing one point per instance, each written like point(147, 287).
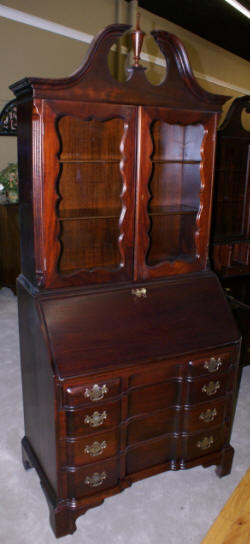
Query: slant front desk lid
point(110, 329)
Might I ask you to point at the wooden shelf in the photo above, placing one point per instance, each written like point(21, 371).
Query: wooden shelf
point(87, 213)
point(174, 161)
point(90, 161)
point(173, 210)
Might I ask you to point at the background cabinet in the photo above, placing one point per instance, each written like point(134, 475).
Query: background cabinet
point(129, 350)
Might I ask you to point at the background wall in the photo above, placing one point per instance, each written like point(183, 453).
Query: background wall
point(31, 51)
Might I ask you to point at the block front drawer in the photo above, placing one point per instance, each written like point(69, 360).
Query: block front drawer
point(205, 415)
point(210, 365)
point(93, 393)
point(204, 443)
point(93, 418)
point(208, 388)
point(152, 398)
point(161, 422)
point(151, 453)
point(92, 448)
point(92, 479)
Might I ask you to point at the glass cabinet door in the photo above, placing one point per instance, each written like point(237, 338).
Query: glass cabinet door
point(94, 192)
point(169, 205)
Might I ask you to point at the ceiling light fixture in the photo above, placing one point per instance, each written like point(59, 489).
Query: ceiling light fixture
point(239, 7)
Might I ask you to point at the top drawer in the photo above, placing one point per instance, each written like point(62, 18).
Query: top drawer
point(211, 364)
point(91, 393)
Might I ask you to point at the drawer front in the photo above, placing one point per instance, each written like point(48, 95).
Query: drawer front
point(91, 393)
point(211, 365)
point(208, 388)
point(92, 448)
point(151, 453)
point(157, 397)
point(93, 419)
point(205, 415)
point(204, 443)
point(167, 371)
point(161, 422)
point(92, 479)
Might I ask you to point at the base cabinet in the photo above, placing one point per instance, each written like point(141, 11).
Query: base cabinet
point(113, 426)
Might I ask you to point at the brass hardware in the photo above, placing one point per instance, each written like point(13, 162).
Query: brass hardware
point(205, 443)
point(213, 364)
point(140, 293)
point(96, 479)
point(96, 393)
point(211, 388)
point(96, 448)
point(96, 419)
point(209, 415)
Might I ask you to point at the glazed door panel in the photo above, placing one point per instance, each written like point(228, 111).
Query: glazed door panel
point(173, 209)
point(88, 193)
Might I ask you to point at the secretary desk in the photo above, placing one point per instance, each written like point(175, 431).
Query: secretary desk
point(129, 351)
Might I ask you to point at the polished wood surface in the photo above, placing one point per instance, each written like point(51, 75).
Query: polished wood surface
point(129, 350)
point(232, 526)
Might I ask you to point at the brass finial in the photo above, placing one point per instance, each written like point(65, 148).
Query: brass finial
point(137, 40)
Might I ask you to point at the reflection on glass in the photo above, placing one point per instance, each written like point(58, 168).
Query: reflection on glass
point(89, 188)
point(174, 187)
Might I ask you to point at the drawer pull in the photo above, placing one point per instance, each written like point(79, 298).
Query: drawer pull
point(209, 415)
point(205, 443)
point(96, 419)
point(96, 479)
point(96, 393)
point(213, 364)
point(96, 448)
point(140, 293)
point(211, 388)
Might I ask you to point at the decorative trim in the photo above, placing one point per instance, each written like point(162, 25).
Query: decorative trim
point(49, 26)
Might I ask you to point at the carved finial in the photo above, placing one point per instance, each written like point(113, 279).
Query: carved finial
point(137, 39)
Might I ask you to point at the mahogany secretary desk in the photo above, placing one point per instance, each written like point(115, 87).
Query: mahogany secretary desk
point(129, 350)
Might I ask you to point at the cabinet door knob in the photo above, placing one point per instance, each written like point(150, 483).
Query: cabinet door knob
point(211, 388)
point(213, 364)
point(96, 448)
point(209, 415)
point(205, 443)
point(96, 419)
point(96, 393)
point(96, 479)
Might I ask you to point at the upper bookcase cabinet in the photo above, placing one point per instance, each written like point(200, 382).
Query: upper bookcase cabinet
point(115, 177)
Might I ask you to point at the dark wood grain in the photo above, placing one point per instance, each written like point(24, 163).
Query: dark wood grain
point(119, 312)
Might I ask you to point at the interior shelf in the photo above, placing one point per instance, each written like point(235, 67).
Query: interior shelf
point(89, 213)
point(173, 210)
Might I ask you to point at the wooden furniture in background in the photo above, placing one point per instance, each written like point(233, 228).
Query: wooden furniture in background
point(129, 350)
point(9, 245)
point(9, 222)
point(231, 229)
point(231, 220)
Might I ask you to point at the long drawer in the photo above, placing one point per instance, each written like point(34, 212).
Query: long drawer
point(156, 397)
point(142, 428)
point(151, 453)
